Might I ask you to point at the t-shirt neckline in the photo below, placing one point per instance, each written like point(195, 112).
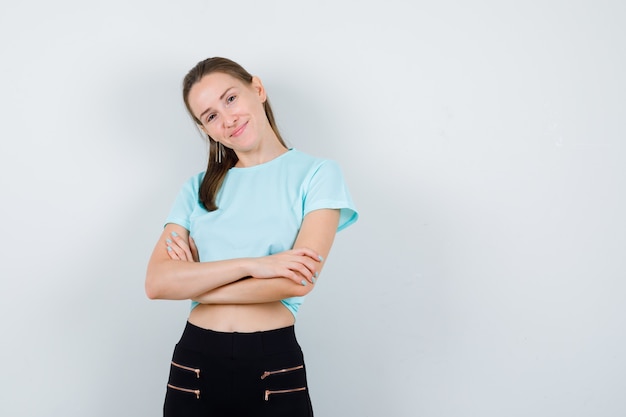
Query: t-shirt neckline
point(264, 164)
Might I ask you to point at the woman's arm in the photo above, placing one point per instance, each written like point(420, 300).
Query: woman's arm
point(317, 232)
point(170, 276)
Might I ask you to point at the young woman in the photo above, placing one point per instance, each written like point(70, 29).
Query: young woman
point(245, 240)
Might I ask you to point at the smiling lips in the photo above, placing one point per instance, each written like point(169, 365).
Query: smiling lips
point(239, 130)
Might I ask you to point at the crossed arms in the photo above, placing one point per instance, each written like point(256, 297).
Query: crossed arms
point(176, 274)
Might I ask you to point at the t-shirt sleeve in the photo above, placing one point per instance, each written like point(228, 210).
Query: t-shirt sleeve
point(328, 190)
point(184, 204)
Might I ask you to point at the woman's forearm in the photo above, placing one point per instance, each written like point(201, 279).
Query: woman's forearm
point(254, 291)
point(179, 280)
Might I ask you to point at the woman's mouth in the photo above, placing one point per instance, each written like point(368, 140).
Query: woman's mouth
point(239, 130)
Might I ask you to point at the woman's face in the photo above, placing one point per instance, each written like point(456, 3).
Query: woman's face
point(231, 112)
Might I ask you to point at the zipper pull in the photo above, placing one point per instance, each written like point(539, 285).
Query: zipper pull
point(267, 395)
point(197, 371)
point(266, 374)
point(197, 392)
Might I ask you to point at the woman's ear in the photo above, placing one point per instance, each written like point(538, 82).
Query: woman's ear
point(257, 85)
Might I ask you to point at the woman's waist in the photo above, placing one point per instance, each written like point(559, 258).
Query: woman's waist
point(242, 318)
point(234, 345)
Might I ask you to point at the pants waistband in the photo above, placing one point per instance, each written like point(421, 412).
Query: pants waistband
point(226, 344)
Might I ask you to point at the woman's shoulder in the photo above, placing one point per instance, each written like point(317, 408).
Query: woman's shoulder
point(306, 160)
point(193, 182)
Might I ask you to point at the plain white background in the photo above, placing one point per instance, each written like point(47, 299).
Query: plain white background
point(484, 144)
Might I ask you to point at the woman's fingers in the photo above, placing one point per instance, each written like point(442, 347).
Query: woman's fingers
point(171, 252)
point(303, 266)
point(294, 265)
point(310, 253)
point(306, 270)
point(178, 248)
point(175, 251)
point(311, 260)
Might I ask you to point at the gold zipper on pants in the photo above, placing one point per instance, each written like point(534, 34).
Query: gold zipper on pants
point(281, 391)
point(281, 371)
point(187, 368)
point(191, 391)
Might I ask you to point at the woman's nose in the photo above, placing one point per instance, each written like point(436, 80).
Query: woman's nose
point(230, 119)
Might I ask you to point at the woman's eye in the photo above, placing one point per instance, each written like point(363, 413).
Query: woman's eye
point(210, 118)
point(230, 99)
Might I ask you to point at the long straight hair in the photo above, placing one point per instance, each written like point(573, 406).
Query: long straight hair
point(216, 171)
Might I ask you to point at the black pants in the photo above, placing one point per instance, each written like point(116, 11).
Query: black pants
point(237, 374)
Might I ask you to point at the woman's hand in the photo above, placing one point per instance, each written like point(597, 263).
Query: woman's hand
point(177, 248)
point(300, 265)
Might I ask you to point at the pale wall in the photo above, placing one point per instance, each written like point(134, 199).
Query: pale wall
point(484, 144)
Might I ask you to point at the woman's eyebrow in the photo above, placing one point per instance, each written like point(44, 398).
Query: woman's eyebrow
point(221, 97)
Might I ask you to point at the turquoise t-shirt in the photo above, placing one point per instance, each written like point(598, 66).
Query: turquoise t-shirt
point(261, 208)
